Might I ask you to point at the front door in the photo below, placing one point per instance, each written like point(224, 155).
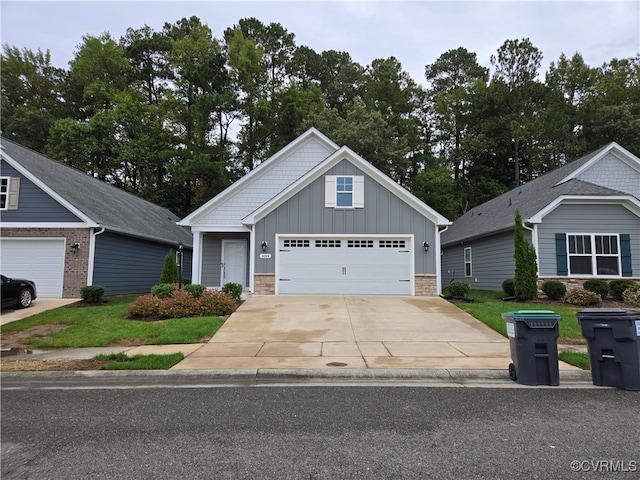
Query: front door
point(234, 262)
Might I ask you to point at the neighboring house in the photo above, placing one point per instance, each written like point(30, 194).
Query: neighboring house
point(317, 218)
point(64, 229)
point(583, 220)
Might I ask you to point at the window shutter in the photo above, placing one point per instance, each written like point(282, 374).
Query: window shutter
point(14, 192)
point(625, 255)
point(330, 191)
point(561, 254)
point(358, 192)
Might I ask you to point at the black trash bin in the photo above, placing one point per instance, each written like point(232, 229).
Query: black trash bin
point(533, 336)
point(613, 342)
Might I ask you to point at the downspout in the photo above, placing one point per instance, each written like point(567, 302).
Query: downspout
point(438, 254)
point(92, 251)
point(534, 242)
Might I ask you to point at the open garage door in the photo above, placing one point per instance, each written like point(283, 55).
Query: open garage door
point(345, 265)
point(40, 260)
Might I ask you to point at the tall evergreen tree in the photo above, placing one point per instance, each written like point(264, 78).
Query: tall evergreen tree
point(525, 279)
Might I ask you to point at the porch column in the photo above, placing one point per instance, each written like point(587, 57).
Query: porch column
point(196, 258)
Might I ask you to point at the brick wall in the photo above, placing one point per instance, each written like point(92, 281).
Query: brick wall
point(264, 284)
point(426, 285)
point(76, 266)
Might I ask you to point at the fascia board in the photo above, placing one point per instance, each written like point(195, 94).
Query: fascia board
point(620, 152)
point(45, 188)
point(359, 162)
point(219, 228)
point(628, 201)
point(261, 169)
point(45, 225)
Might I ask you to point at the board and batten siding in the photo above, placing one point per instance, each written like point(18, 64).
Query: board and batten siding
point(586, 218)
point(492, 261)
point(34, 205)
point(383, 213)
point(126, 265)
point(212, 256)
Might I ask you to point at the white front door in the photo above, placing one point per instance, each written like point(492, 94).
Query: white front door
point(234, 262)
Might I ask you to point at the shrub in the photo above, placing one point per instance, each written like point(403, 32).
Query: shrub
point(234, 289)
point(525, 279)
point(144, 306)
point(617, 287)
point(582, 297)
point(164, 290)
point(194, 289)
point(554, 289)
point(217, 303)
point(92, 293)
point(596, 285)
point(179, 305)
point(632, 295)
point(170, 272)
point(508, 287)
point(458, 289)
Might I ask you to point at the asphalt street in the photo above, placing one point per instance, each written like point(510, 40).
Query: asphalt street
point(188, 428)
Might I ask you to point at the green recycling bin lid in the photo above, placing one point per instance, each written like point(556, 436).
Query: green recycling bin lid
point(531, 313)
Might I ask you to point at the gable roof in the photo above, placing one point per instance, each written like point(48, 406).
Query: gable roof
point(537, 195)
point(267, 180)
point(346, 153)
point(95, 202)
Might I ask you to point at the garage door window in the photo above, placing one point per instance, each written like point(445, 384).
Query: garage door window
point(392, 244)
point(360, 244)
point(295, 243)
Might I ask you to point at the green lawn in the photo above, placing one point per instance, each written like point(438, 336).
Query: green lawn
point(140, 362)
point(102, 325)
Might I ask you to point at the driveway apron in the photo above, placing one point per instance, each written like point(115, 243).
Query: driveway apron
point(354, 332)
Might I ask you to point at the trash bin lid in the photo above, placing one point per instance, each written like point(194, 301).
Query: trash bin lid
point(531, 314)
point(609, 313)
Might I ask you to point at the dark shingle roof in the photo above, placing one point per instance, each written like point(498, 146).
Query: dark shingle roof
point(498, 213)
point(106, 205)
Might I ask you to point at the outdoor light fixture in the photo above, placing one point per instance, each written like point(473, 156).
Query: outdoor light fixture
point(425, 246)
point(264, 246)
point(75, 247)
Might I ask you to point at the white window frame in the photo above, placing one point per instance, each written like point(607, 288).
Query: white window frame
point(331, 192)
point(594, 255)
point(468, 262)
point(5, 185)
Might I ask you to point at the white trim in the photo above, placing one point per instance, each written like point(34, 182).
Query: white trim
point(345, 154)
point(5, 193)
point(196, 258)
point(613, 148)
point(219, 228)
point(593, 255)
point(252, 254)
point(628, 201)
point(264, 167)
point(46, 225)
point(92, 253)
point(45, 188)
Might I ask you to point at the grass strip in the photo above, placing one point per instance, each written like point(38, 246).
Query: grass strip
point(140, 362)
point(578, 359)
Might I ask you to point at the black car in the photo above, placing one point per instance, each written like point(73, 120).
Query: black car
point(17, 292)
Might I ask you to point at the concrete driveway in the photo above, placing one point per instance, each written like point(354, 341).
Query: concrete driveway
point(360, 332)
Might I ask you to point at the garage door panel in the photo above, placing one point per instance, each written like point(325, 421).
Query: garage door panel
point(39, 260)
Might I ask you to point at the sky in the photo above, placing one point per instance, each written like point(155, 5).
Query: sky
point(415, 32)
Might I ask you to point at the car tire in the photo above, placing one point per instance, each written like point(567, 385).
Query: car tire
point(25, 297)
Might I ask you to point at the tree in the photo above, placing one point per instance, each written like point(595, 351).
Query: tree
point(170, 269)
point(525, 279)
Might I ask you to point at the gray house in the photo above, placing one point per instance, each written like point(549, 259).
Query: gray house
point(316, 218)
point(583, 220)
point(64, 229)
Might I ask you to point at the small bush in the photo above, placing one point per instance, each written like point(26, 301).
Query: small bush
point(509, 287)
point(144, 306)
point(92, 293)
point(458, 289)
point(632, 295)
point(554, 289)
point(217, 303)
point(194, 289)
point(180, 304)
point(617, 287)
point(164, 290)
point(596, 285)
point(235, 289)
point(582, 297)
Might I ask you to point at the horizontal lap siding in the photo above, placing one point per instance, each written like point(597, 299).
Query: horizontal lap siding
point(586, 219)
point(383, 214)
point(127, 265)
point(34, 205)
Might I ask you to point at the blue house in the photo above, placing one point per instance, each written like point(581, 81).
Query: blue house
point(65, 229)
point(583, 220)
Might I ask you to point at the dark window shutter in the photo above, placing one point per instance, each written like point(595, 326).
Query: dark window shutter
point(625, 254)
point(561, 254)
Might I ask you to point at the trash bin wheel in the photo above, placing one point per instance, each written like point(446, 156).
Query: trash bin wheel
point(512, 372)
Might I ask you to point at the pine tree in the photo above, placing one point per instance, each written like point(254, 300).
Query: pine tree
point(526, 275)
point(170, 269)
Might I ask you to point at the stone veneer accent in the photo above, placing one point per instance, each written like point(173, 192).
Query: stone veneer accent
point(264, 284)
point(426, 285)
point(575, 282)
point(76, 266)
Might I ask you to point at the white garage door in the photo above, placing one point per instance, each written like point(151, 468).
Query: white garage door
point(39, 260)
point(344, 265)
